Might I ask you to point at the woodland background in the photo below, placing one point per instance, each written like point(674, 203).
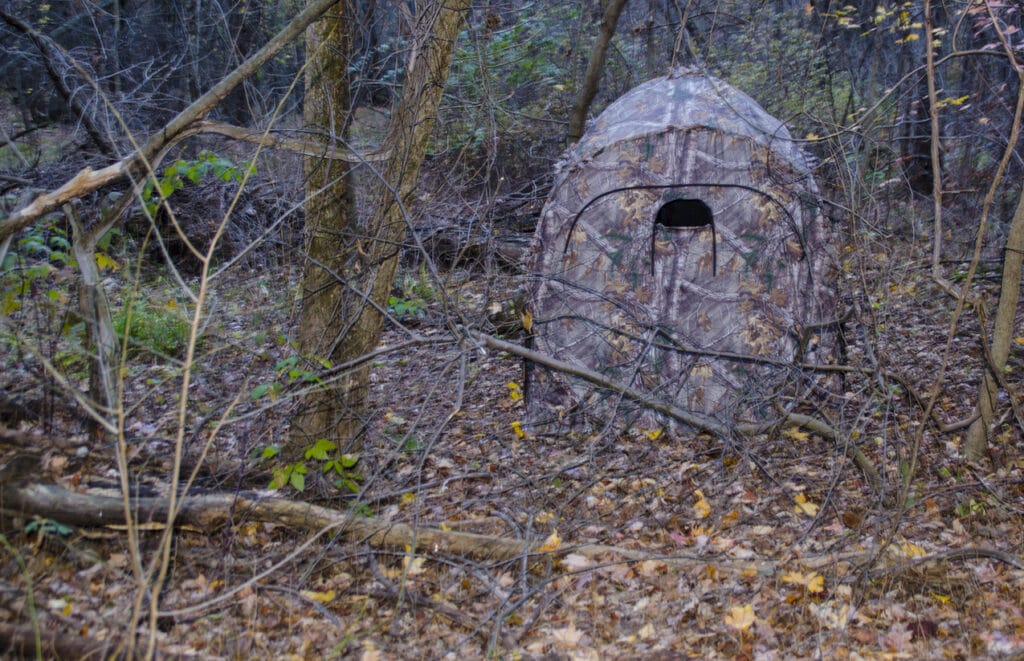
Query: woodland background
point(261, 338)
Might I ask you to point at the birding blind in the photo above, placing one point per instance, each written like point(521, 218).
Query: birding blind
point(682, 253)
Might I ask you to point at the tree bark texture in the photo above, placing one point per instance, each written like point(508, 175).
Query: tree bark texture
point(353, 320)
point(95, 310)
point(330, 223)
point(595, 68)
point(1002, 336)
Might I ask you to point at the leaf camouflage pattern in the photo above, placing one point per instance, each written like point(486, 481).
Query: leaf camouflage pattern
point(681, 252)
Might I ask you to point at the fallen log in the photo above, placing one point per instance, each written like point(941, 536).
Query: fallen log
point(209, 511)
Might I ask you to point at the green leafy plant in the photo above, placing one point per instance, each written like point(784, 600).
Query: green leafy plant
point(287, 371)
point(401, 307)
point(159, 329)
point(322, 454)
point(175, 176)
point(44, 527)
point(966, 509)
point(35, 262)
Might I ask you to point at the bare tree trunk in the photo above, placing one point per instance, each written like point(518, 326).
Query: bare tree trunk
point(578, 119)
point(351, 324)
point(1009, 292)
point(330, 221)
point(95, 310)
point(1002, 336)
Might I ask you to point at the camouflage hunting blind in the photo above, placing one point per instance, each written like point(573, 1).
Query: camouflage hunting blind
point(682, 253)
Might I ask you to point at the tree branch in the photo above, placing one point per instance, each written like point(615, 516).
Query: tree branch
point(89, 180)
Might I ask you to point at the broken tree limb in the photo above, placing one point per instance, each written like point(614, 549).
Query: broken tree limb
point(304, 146)
point(20, 642)
point(89, 180)
point(210, 511)
point(696, 420)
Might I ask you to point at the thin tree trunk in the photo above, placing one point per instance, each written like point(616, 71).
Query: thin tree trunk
point(370, 255)
point(1009, 292)
point(578, 119)
point(1002, 336)
point(95, 310)
point(330, 217)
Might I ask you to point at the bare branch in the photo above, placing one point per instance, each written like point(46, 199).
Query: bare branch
point(89, 180)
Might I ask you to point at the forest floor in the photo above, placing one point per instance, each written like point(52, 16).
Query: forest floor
point(760, 548)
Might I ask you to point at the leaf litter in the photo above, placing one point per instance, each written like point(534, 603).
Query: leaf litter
point(760, 549)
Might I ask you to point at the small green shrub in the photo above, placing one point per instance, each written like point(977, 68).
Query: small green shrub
point(323, 454)
point(176, 175)
point(155, 329)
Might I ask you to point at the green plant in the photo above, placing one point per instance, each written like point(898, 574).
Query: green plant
point(286, 369)
point(970, 507)
point(44, 527)
point(323, 454)
point(159, 329)
point(36, 261)
point(177, 173)
point(401, 307)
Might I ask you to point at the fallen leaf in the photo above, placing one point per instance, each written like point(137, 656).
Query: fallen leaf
point(413, 566)
point(577, 562)
point(796, 434)
point(370, 652)
point(813, 582)
point(702, 509)
point(552, 543)
point(653, 434)
point(567, 637)
point(319, 597)
point(912, 550)
point(740, 617)
point(804, 506)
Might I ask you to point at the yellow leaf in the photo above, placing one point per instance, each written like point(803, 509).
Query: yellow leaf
point(413, 566)
point(653, 434)
point(804, 506)
point(740, 617)
point(517, 427)
point(912, 550)
point(1019, 340)
point(552, 543)
point(527, 321)
point(812, 137)
point(793, 577)
point(320, 597)
point(104, 261)
point(408, 497)
point(941, 598)
point(812, 581)
point(515, 393)
point(796, 434)
point(702, 509)
point(815, 583)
